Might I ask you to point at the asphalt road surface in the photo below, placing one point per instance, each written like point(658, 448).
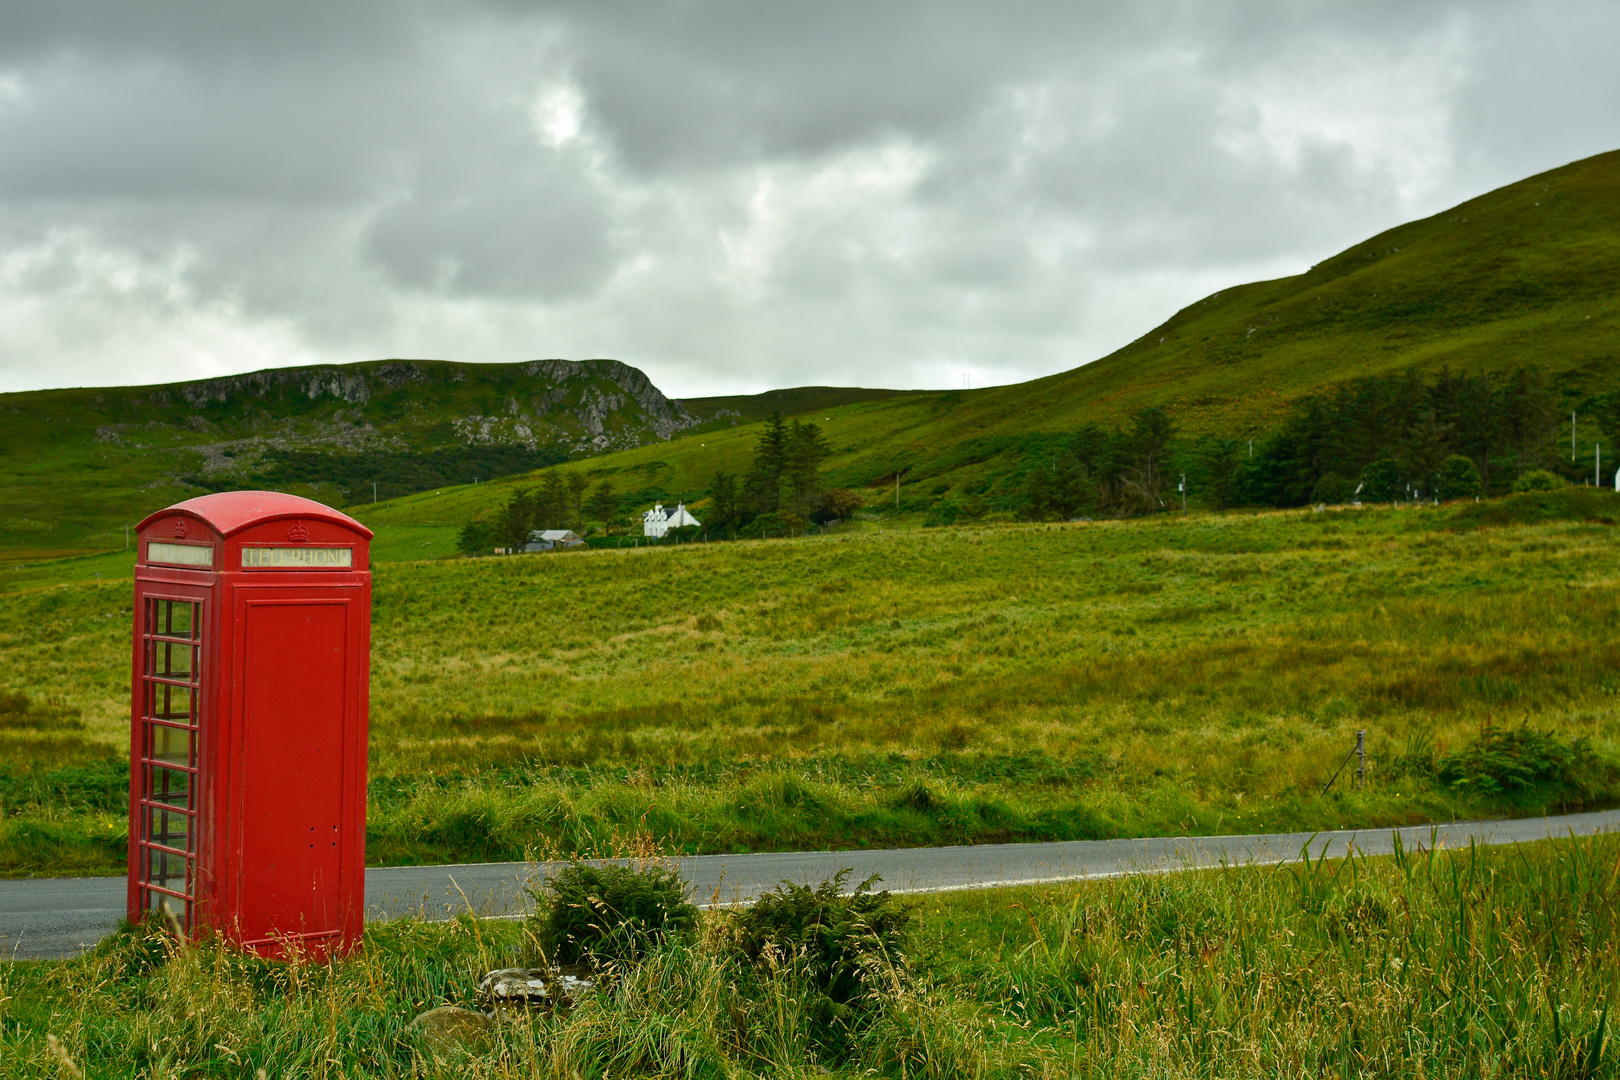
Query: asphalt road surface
point(44, 918)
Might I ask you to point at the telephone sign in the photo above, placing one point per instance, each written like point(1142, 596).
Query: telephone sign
point(252, 644)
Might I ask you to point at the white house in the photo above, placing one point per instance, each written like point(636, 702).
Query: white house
point(552, 538)
point(658, 521)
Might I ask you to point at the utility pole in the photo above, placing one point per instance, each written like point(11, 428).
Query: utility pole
point(1251, 448)
point(1182, 487)
point(374, 491)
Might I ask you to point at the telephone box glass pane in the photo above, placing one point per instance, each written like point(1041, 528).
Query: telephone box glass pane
point(172, 746)
point(169, 906)
point(166, 870)
point(174, 618)
point(168, 786)
point(169, 828)
point(170, 702)
point(172, 660)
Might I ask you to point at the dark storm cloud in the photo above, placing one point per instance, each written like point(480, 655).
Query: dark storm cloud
point(733, 196)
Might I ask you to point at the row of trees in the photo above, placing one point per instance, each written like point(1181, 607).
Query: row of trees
point(1391, 437)
point(558, 503)
point(1505, 424)
point(1106, 472)
point(1394, 436)
point(783, 490)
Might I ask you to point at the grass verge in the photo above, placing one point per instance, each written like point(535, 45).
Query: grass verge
point(1495, 962)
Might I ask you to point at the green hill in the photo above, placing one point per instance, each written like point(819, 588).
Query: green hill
point(78, 463)
point(1527, 276)
point(1522, 277)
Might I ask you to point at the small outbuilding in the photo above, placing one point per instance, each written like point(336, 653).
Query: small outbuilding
point(658, 521)
point(551, 539)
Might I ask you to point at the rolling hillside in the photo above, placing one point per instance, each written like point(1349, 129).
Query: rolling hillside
point(1525, 276)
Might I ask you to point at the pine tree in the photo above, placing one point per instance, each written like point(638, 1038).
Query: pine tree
point(764, 481)
point(602, 505)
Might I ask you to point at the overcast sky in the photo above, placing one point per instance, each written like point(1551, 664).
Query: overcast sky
point(735, 196)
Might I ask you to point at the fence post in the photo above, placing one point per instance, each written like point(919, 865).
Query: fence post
point(1361, 759)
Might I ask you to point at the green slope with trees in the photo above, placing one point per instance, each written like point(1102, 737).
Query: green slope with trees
point(1475, 333)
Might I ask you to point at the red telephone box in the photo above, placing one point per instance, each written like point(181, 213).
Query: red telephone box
point(247, 792)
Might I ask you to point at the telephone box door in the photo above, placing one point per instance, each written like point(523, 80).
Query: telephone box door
point(301, 662)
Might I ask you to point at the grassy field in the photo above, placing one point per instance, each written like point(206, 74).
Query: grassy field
point(885, 686)
point(1483, 962)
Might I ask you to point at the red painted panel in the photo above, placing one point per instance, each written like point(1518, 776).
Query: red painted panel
point(292, 767)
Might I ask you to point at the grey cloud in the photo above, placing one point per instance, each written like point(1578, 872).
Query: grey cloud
point(757, 194)
point(523, 228)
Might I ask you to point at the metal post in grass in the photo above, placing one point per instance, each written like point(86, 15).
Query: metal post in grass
point(1359, 750)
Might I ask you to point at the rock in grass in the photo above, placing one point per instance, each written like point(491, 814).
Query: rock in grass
point(449, 1028)
point(534, 988)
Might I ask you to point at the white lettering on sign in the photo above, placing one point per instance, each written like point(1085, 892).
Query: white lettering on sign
point(180, 554)
point(296, 558)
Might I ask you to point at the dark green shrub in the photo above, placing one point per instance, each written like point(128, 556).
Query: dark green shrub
point(1537, 480)
point(1382, 481)
point(610, 914)
point(828, 938)
point(1333, 489)
point(1519, 761)
point(1457, 479)
point(943, 512)
point(478, 538)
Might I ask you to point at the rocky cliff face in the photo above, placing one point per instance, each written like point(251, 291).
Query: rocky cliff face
point(604, 399)
point(578, 406)
point(489, 418)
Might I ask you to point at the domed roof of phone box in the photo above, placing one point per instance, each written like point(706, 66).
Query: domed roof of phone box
point(229, 512)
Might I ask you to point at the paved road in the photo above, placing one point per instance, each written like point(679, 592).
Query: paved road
point(55, 917)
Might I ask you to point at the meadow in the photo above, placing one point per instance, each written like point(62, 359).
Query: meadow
point(901, 686)
point(1481, 962)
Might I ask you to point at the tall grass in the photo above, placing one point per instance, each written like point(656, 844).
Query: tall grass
point(1481, 962)
point(1204, 674)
